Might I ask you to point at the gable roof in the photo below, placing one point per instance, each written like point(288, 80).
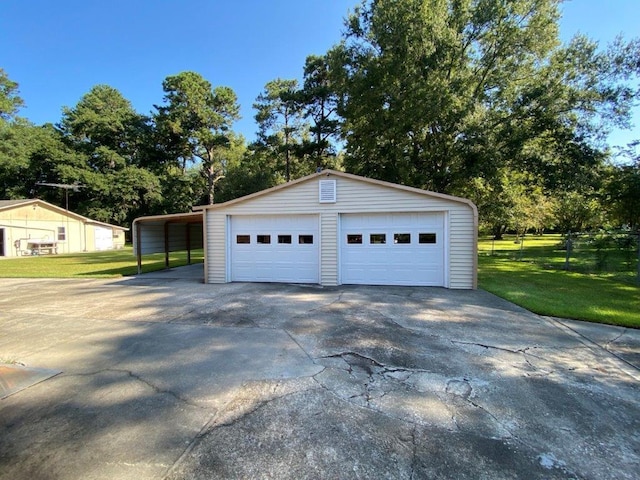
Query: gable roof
point(328, 172)
point(6, 205)
point(188, 217)
point(12, 203)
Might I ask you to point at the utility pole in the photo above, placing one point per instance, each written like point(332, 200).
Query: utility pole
point(66, 186)
point(75, 186)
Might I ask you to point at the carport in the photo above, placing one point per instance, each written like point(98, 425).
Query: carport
point(167, 233)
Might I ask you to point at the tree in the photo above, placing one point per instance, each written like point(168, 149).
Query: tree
point(320, 102)
point(30, 154)
point(15, 150)
point(108, 134)
point(437, 93)
point(622, 192)
point(196, 119)
point(577, 211)
point(253, 171)
point(280, 122)
point(104, 118)
point(10, 102)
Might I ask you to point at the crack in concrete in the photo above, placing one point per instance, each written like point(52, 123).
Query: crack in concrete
point(320, 307)
point(293, 339)
point(267, 397)
point(490, 347)
point(386, 369)
point(542, 371)
point(511, 435)
point(369, 407)
point(414, 453)
point(420, 330)
point(163, 391)
point(192, 444)
point(155, 388)
point(525, 352)
point(213, 422)
point(176, 319)
point(354, 354)
point(627, 367)
point(614, 340)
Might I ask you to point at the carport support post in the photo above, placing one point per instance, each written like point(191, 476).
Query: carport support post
point(166, 244)
point(139, 248)
point(188, 237)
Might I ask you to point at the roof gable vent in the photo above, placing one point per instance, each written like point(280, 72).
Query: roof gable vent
point(327, 191)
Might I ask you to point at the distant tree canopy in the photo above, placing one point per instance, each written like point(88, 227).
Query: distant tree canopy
point(476, 98)
point(196, 123)
point(453, 96)
point(10, 102)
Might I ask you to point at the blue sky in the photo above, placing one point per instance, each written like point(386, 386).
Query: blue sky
point(58, 50)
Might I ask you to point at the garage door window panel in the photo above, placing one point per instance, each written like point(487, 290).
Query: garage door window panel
point(305, 239)
point(377, 239)
point(429, 238)
point(354, 239)
point(402, 238)
point(284, 239)
point(264, 239)
point(243, 239)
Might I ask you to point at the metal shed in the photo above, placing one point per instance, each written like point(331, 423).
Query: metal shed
point(167, 233)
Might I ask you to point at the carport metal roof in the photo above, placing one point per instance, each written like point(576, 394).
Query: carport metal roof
point(152, 232)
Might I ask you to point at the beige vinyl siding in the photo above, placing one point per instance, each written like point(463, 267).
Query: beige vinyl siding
point(329, 249)
point(216, 224)
point(353, 196)
point(39, 222)
point(462, 236)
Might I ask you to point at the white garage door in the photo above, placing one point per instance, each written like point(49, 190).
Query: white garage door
point(103, 238)
point(275, 248)
point(392, 249)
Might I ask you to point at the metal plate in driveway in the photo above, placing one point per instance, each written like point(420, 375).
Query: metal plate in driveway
point(14, 378)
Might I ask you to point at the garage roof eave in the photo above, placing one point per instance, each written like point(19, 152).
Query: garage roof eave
point(329, 172)
point(171, 217)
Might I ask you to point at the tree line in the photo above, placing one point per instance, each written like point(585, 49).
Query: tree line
point(475, 98)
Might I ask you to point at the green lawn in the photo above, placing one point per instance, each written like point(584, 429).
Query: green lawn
point(534, 279)
point(111, 263)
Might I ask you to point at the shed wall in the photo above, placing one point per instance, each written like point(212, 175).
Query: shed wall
point(216, 253)
point(38, 222)
point(152, 237)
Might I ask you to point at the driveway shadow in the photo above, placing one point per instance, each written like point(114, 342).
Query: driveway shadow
point(177, 379)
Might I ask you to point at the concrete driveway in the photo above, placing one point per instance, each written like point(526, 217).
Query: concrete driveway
point(170, 378)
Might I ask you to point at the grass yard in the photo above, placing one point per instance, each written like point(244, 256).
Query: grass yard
point(531, 276)
point(110, 263)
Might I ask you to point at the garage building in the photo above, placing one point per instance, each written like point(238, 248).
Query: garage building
point(334, 228)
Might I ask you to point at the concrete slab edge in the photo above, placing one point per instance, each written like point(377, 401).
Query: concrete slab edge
point(625, 366)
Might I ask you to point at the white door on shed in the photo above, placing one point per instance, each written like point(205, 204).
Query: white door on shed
point(103, 238)
point(393, 249)
point(275, 248)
